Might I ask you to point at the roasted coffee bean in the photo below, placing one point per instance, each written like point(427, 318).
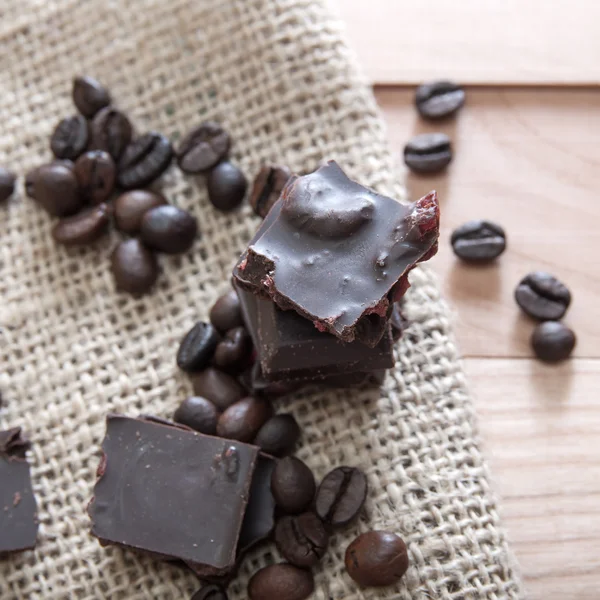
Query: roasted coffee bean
point(293, 485)
point(83, 228)
point(55, 188)
point(210, 591)
point(131, 207)
point(397, 322)
point(218, 387)
point(202, 148)
point(111, 132)
point(70, 137)
point(168, 229)
point(89, 96)
point(376, 559)
point(199, 414)
point(134, 267)
point(233, 351)
point(552, 341)
point(279, 435)
point(226, 186)
point(243, 420)
point(226, 312)
point(7, 184)
point(542, 296)
point(341, 496)
point(428, 152)
point(267, 186)
point(478, 241)
point(439, 99)
point(197, 347)
point(144, 160)
point(95, 171)
point(281, 582)
point(301, 539)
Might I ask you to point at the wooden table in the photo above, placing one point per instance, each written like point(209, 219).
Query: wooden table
point(529, 158)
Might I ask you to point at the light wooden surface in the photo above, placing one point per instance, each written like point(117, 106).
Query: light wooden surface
point(476, 41)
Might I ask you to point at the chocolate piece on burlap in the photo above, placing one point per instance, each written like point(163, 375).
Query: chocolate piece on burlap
point(278, 75)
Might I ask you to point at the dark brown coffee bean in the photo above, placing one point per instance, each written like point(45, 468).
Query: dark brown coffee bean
point(279, 435)
point(243, 420)
point(83, 228)
point(134, 267)
point(202, 148)
point(226, 186)
point(55, 188)
point(552, 341)
point(439, 99)
point(131, 207)
point(7, 184)
point(197, 347)
point(233, 352)
point(542, 296)
point(376, 559)
point(428, 152)
point(210, 591)
point(89, 96)
point(95, 171)
point(397, 322)
point(169, 229)
point(301, 539)
point(341, 496)
point(267, 186)
point(218, 387)
point(281, 582)
point(111, 132)
point(144, 160)
point(478, 241)
point(198, 413)
point(293, 485)
point(70, 137)
point(226, 312)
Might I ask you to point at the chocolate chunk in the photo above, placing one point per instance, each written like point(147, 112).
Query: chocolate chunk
point(218, 387)
point(397, 323)
point(341, 496)
point(267, 187)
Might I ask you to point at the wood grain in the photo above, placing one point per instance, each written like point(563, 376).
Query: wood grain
point(476, 41)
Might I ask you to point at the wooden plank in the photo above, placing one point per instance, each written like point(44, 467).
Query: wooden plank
point(476, 41)
point(530, 160)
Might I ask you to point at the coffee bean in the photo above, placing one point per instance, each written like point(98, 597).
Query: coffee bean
point(397, 322)
point(218, 387)
point(233, 352)
point(70, 137)
point(197, 347)
point(202, 148)
point(281, 582)
point(439, 99)
point(55, 188)
point(542, 296)
point(293, 485)
point(7, 184)
point(267, 186)
point(428, 152)
point(134, 267)
point(111, 132)
point(144, 160)
point(279, 435)
point(131, 207)
point(478, 241)
point(226, 186)
point(226, 312)
point(210, 591)
point(243, 420)
point(341, 496)
point(376, 559)
point(168, 229)
point(95, 171)
point(89, 96)
point(553, 341)
point(83, 228)
point(198, 413)
point(301, 539)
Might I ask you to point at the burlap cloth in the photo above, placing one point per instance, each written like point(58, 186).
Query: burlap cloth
point(279, 76)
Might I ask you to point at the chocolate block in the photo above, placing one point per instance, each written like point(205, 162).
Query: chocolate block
point(338, 253)
point(18, 509)
point(172, 492)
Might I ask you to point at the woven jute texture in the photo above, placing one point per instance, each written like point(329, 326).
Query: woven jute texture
point(279, 76)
